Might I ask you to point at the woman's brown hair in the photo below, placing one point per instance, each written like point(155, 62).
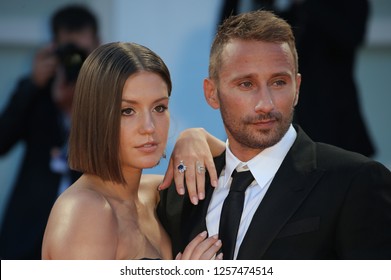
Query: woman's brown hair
point(96, 110)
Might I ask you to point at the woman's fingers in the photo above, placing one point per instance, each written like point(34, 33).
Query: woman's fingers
point(189, 161)
point(178, 256)
point(194, 176)
point(201, 248)
point(191, 184)
point(210, 166)
point(200, 179)
point(186, 255)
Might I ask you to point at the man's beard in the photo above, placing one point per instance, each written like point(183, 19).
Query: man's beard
point(247, 136)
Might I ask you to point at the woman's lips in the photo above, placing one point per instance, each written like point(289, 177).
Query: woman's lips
point(149, 147)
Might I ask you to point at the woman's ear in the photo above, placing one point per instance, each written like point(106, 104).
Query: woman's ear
point(210, 92)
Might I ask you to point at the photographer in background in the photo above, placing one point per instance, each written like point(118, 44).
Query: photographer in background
point(38, 114)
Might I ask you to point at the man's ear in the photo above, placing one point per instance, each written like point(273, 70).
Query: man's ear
point(298, 82)
point(210, 92)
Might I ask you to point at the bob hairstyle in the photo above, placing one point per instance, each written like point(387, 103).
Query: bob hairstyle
point(96, 111)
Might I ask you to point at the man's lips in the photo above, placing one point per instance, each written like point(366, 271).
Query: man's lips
point(264, 124)
point(265, 121)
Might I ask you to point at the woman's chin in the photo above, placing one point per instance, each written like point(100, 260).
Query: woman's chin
point(151, 163)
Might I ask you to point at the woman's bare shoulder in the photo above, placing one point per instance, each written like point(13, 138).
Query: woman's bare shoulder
point(78, 200)
point(150, 181)
point(148, 187)
point(80, 219)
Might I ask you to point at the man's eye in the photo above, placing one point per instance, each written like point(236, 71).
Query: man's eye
point(127, 111)
point(280, 83)
point(161, 108)
point(246, 84)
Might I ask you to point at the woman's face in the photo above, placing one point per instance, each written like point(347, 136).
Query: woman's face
point(145, 120)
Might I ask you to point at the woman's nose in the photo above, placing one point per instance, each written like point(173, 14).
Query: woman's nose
point(148, 125)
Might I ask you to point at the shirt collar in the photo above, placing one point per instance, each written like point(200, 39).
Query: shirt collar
point(264, 165)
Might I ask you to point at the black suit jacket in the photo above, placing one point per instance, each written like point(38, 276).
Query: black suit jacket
point(323, 203)
point(31, 117)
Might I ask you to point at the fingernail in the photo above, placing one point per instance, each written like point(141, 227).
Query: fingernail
point(158, 187)
point(181, 191)
point(215, 236)
point(178, 256)
point(214, 183)
point(194, 200)
point(203, 234)
point(218, 243)
point(201, 195)
point(219, 256)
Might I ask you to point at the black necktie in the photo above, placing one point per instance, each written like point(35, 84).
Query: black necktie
point(231, 212)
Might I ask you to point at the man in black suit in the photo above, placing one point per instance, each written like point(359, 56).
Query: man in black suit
point(38, 114)
point(308, 200)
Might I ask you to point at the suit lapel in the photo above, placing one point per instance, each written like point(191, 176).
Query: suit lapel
point(291, 185)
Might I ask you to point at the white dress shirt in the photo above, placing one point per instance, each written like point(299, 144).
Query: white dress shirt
point(263, 167)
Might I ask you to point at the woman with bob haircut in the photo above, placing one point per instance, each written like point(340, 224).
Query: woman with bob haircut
point(120, 126)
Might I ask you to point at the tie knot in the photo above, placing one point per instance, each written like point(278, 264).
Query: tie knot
point(241, 180)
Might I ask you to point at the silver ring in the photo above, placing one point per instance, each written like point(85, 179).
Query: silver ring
point(200, 168)
point(181, 167)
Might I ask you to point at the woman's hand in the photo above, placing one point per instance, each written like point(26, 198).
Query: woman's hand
point(194, 151)
point(202, 248)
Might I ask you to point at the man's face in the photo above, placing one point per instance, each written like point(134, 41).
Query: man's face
point(256, 93)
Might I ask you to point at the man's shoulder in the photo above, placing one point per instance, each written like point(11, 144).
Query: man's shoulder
point(327, 156)
point(332, 158)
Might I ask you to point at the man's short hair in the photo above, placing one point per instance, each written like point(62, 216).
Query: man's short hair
point(257, 25)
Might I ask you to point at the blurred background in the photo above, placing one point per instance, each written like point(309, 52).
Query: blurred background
point(181, 32)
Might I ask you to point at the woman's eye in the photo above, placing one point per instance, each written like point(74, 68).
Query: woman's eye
point(160, 108)
point(127, 111)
